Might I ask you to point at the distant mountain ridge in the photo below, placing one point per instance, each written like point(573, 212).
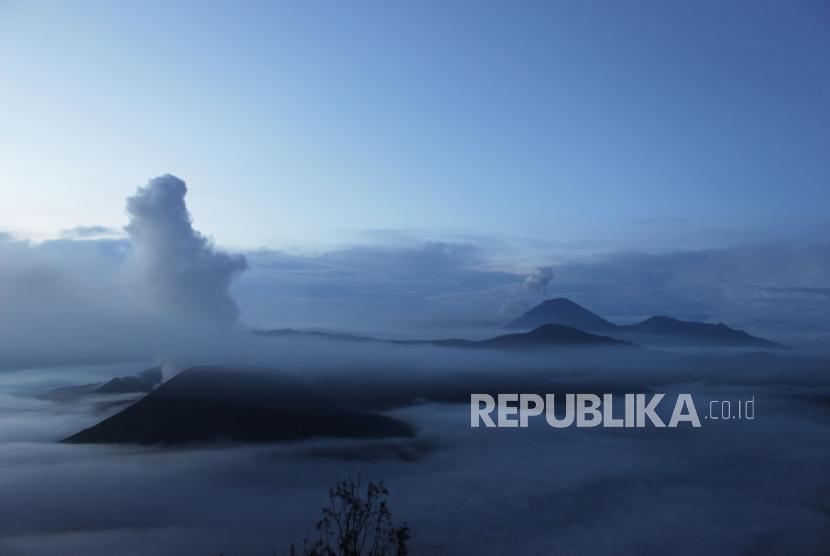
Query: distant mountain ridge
point(562, 322)
point(545, 336)
point(141, 383)
point(659, 329)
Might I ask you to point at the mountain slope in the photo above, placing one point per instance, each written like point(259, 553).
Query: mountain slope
point(141, 383)
point(560, 311)
point(204, 404)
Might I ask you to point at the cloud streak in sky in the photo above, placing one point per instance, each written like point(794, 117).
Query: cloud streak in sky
point(90, 232)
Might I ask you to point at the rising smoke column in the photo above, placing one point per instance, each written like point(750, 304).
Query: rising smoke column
point(538, 280)
point(519, 296)
point(179, 268)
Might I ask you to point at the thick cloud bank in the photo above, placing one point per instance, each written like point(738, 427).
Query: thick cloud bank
point(178, 267)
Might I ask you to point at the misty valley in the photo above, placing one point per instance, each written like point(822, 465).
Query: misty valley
point(201, 459)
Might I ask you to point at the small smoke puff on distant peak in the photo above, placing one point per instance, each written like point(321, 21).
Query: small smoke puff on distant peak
point(519, 296)
point(538, 280)
point(180, 269)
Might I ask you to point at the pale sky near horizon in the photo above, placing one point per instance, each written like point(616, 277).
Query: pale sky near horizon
point(643, 125)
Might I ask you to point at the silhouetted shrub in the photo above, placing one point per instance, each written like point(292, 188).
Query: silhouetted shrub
point(357, 522)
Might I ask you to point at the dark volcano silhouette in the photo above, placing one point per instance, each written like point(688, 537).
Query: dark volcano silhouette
point(658, 330)
point(561, 311)
point(208, 404)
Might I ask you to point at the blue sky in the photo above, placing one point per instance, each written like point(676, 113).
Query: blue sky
point(647, 125)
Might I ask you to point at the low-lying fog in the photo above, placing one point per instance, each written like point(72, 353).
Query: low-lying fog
point(729, 487)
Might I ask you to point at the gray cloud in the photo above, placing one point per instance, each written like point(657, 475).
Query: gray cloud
point(421, 287)
point(178, 267)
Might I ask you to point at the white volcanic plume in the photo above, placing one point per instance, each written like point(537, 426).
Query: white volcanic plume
point(179, 268)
